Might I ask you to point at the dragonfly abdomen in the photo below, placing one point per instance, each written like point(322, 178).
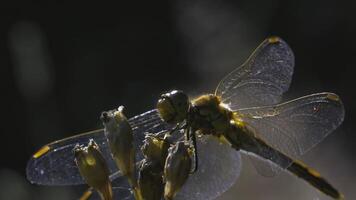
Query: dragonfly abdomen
point(298, 169)
point(295, 167)
point(313, 177)
point(240, 137)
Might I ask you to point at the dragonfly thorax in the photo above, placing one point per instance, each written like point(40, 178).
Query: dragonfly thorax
point(210, 114)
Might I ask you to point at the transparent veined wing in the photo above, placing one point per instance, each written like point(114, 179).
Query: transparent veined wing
point(262, 79)
point(219, 167)
point(119, 193)
point(120, 187)
point(296, 126)
point(219, 164)
point(264, 167)
point(54, 163)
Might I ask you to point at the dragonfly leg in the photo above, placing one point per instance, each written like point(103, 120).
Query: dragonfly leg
point(177, 127)
point(191, 137)
point(194, 141)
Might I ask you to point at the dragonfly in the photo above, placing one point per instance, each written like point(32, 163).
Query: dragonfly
point(244, 115)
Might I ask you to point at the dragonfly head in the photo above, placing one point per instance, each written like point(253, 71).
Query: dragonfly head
point(173, 106)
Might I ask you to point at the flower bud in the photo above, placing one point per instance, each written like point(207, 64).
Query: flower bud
point(93, 168)
point(177, 168)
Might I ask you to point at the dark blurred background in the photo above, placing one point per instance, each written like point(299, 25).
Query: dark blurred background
point(62, 64)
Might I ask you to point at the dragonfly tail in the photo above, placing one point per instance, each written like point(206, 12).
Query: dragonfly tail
point(297, 168)
point(313, 177)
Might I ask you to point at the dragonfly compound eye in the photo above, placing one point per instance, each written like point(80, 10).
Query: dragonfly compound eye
point(173, 106)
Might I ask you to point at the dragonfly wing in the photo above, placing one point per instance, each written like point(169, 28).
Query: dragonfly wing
point(296, 126)
point(279, 140)
point(120, 190)
point(262, 79)
point(219, 167)
point(118, 193)
point(122, 193)
point(54, 163)
point(264, 167)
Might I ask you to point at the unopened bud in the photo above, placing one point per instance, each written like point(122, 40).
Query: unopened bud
point(120, 139)
point(177, 169)
point(155, 149)
point(93, 168)
point(150, 180)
